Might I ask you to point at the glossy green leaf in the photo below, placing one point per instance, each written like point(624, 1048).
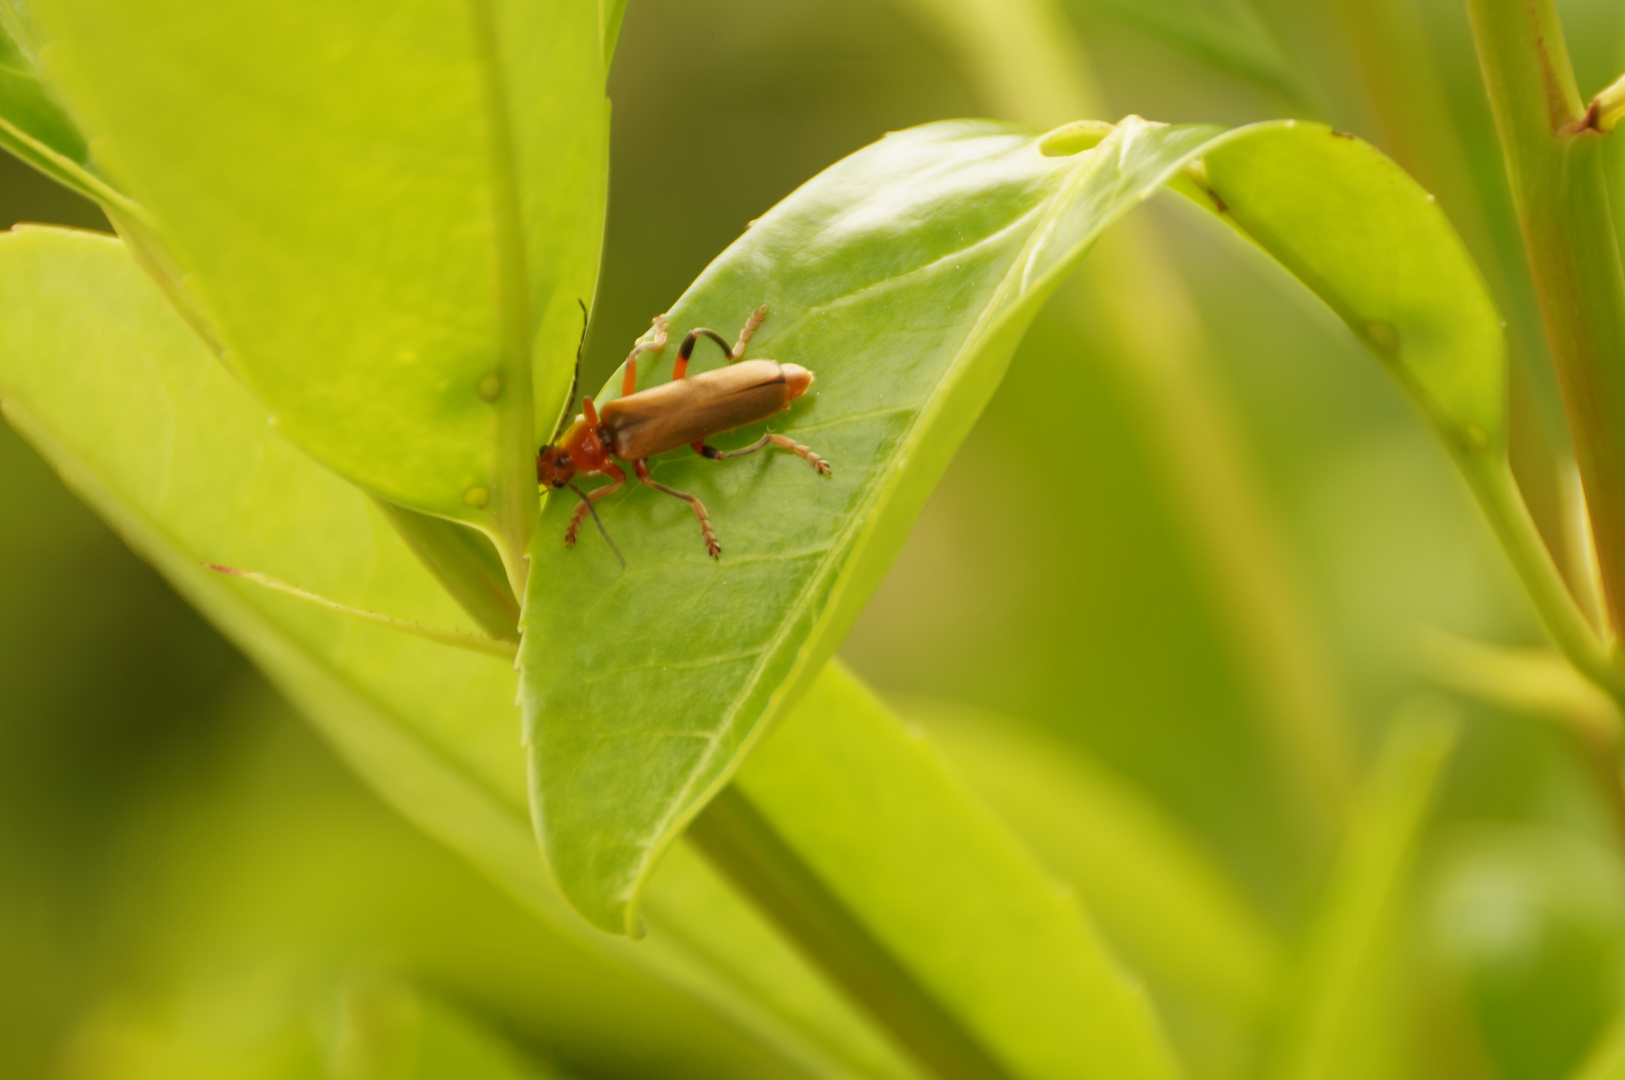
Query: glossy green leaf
point(1161, 898)
point(383, 213)
point(1332, 1024)
point(945, 887)
point(1378, 250)
point(903, 277)
point(109, 384)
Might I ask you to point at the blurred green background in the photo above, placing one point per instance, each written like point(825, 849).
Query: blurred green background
point(171, 837)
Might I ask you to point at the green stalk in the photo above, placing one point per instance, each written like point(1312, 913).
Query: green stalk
point(743, 845)
point(1554, 162)
point(1608, 107)
point(1496, 490)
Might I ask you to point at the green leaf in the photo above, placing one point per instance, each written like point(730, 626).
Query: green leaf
point(1378, 250)
point(903, 276)
point(101, 376)
point(874, 812)
point(1155, 892)
point(383, 213)
point(1331, 1026)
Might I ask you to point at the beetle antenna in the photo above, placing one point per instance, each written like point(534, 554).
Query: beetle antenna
point(575, 380)
point(593, 510)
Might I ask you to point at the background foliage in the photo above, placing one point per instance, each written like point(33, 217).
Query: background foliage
point(176, 851)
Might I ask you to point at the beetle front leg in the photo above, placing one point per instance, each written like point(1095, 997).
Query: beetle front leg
point(629, 379)
point(582, 509)
point(712, 548)
point(805, 453)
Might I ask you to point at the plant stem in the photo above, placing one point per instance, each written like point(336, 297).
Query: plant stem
point(1607, 107)
point(743, 845)
point(1554, 163)
point(1497, 493)
point(1492, 482)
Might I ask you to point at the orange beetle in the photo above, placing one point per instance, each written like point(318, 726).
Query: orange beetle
point(683, 412)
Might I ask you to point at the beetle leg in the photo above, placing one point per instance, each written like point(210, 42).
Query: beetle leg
point(755, 320)
point(629, 380)
point(580, 515)
point(680, 368)
point(711, 452)
point(712, 548)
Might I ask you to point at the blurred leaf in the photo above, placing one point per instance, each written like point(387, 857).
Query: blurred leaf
point(687, 898)
point(1530, 922)
point(904, 276)
point(613, 11)
point(1607, 1058)
point(1158, 895)
point(271, 857)
point(1376, 248)
point(102, 377)
point(386, 1031)
point(1330, 1025)
point(385, 214)
point(1230, 34)
point(945, 888)
point(266, 1025)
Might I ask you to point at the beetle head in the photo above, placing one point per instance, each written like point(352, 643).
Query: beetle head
point(554, 466)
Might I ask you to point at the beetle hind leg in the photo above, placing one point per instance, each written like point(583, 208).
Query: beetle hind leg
point(805, 453)
point(629, 376)
point(712, 548)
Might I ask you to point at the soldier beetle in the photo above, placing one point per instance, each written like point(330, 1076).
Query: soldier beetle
point(683, 412)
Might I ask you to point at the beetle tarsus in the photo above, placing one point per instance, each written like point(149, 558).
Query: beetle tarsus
point(712, 548)
point(820, 466)
point(756, 319)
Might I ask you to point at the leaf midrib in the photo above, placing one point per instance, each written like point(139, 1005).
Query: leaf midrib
point(516, 507)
